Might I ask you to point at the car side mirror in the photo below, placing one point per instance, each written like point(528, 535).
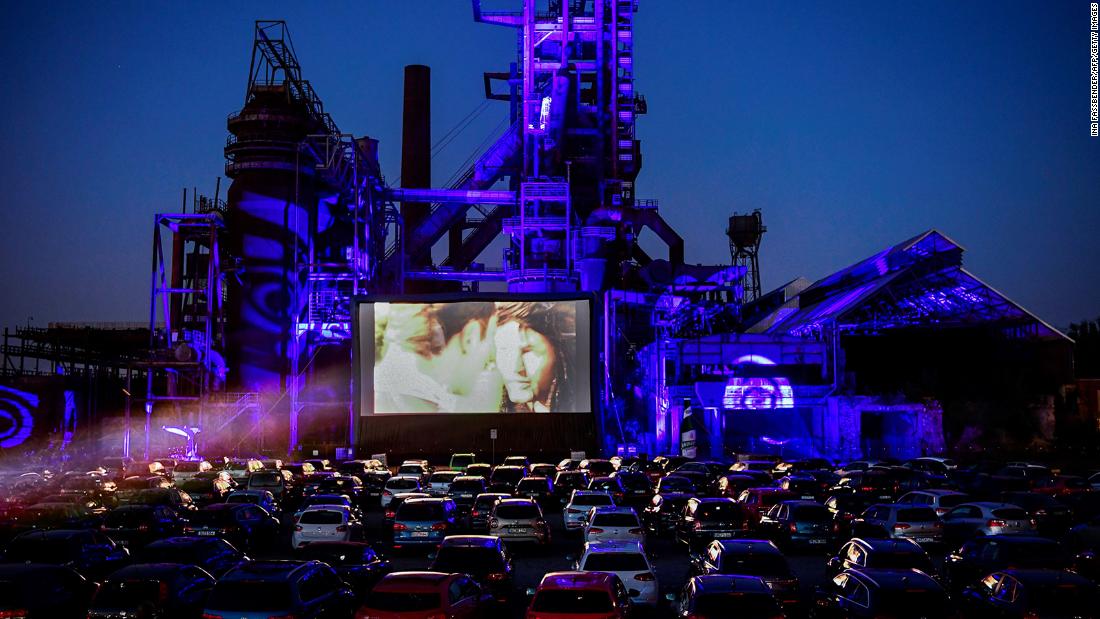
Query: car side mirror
point(670, 598)
point(571, 558)
point(530, 592)
point(432, 556)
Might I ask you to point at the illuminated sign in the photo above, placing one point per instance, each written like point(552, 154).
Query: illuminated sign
point(755, 393)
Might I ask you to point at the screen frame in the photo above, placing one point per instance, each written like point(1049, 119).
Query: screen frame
point(595, 336)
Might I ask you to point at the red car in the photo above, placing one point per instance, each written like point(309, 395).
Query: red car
point(759, 500)
point(426, 595)
point(1063, 485)
point(576, 595)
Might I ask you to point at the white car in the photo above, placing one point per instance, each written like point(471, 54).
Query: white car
point(986, 518)
point(439, 484)
point(580, 502)
point(400, 483)
point(627, 560)
point(613, 523)
point(940, 500)
point(324, 523)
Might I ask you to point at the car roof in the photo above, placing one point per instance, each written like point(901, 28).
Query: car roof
point(614, 546)
point(280, 570)
point(722, 583)
point(895, 578)
point(148, 570)
point(425, 500)
point(801, 503)
point(713, 499)
point(888, 544)
point(1016, 538)
point(516, 501)
point(469, 478)
point(988, 505)
point(578, 580)
point(1047, 577)
point(748, 546)
point(471, 541)
point(492, 494)
point(613, 509)
point(53, 534)
point(590, 492)
point(416, 581)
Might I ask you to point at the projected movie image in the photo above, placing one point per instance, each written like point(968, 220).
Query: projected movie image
point(477, 356)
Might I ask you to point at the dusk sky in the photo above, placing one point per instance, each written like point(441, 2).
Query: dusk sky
point(852, 125)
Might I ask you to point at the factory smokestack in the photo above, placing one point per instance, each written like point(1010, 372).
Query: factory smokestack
point(416, 149)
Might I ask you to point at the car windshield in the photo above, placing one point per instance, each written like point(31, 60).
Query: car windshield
point(402, 484)
point(517, 512)
point(442, 478)
point(460, 461)
point(616, 562)
point(245, 596)
point(811, 513)
point(572, 601)
point(509, 476)
point(736, 604)
point(1010, 513)
point(755, 565)
point(615, 520)
point(45, 550)
point(402, 601)
point(321, 516)
point(467, 559)
point(917, 514)
point(571, 480)
point(265, 480)
point(720, 512)
point(953, 500)
point(126, 593)
point(899, 560)
point(214, 517)
point(417, 511)
point(676, 484)
point(467, 485)
point(128, 518)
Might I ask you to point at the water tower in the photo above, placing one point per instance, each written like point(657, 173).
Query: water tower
point(745, 232)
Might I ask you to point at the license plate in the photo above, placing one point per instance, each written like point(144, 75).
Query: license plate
point(420, 534)
point(923, 540)
point(816, 540)
point(723, 535)
point(205, 533)
point(807, 497)
point(885, 497)
point(122, 542)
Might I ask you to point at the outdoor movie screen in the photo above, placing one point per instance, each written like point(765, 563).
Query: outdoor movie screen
point(479, 355)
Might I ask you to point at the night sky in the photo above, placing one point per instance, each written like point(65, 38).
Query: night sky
point(852, 125)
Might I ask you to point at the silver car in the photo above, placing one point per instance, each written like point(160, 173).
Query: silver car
point(901, 521)
point(519, 520)
point(985, 518)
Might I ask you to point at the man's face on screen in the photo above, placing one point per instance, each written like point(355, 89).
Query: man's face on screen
point(525, 359)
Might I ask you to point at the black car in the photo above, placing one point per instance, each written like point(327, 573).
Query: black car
point(1052, 517)
point(798, 523)
point(483, 506)
point(246, 526)
point(748, 557)
point(565, 482)
point(483, 557)
point(719, 596)
point(675, 484)
point(879, 554)
point(173, 498)
point(637, 489)
point(91, 553)
point(847, 507)
point(708, 519)
point(871, 593)
point(802, 486)
point(663, 513)
point(162, 590)
point(299, 589)
point(373, 484)
point(42, 591)
point(350, 487)
point(505, 478)
point(464, 489)
point(1014, 593)
point(136, 525)
point(538, 488)
point(356, 563)
point(213, 554)
point(982, 555)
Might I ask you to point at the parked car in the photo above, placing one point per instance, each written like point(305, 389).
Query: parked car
point(165, 590)
point(538, 489)
point(875, 553)
point(399, 483)
point(798, 523)
point(1052, 517)
point(460, 461)
point(263, 498)
point(940, 500)
point(483, 557)
point(750, 558)
point(759, 500)
point(900, 521)
point(718, 596)
point(479, 469)
point(136, 525)
point(439, 483)
point(424, 522)
point(519, 520)
point(39, 590)
point(610, 485)
point(579, 504)
point(356, 563)
point(628, 561)
point(845, 508)
point(613, 524)
point(705, 519)
point(482, 509)
point(426, 594)
point(869, 593)
point(245, 526)
point(504, 478)
point(299, 589)
point(325, 523)
point(984, 518)
point(1020, 593)
point(565, 482)
point(212, 554)
point(464, 489)
point(637, 488)
point(989, 553)
point(580, 595)
point(91, 553)
point(677, 484)
point(662, 515)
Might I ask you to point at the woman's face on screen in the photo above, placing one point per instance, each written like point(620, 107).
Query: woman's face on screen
point(526, 362)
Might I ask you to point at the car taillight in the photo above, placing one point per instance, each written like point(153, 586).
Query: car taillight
point(636, 531)
point(645, 577)
point(595, 530)
point(14, 614)
point(211, 616)
point(901, 526)
point(475, 513)
point(496, 576)
point(397, 526)
point(387, 493)
point(390, 514)
point(996, 523)
point(342, 528)
point(793, 527)
point(143, 527)
point(439, 526)
point(297, 527)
